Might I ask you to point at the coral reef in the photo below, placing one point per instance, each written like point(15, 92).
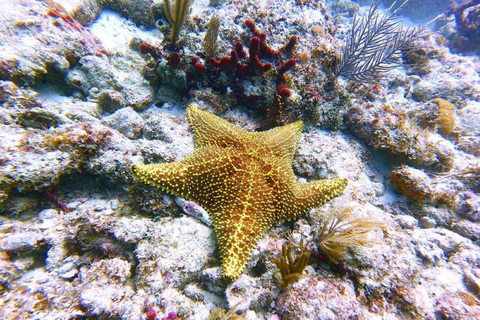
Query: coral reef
point(467, 25)
point(259, 81)
point(82, 99)
point(324, 298)
point(391, 129)
point(24, 63)
point(246, 75)
point(457, 193)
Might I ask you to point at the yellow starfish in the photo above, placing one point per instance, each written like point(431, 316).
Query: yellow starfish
point(244, 180)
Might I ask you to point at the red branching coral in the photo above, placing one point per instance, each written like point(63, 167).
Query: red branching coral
point(249, 68)
point(153, 51)
point(259, 49)
point(264, 49)
point(151, 314)
point(198, 65)
point(174, 60)
point(245, 72)
point(289, 64)
point(289, 46)
point(283, 91)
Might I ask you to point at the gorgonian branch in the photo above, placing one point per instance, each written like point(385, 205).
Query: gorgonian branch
point(374, 44)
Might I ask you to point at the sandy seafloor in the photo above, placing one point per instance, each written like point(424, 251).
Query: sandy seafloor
point(81, 238)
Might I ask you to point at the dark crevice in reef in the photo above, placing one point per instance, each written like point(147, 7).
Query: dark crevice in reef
point(259, 269)
point(53, 79)
point(98, 244)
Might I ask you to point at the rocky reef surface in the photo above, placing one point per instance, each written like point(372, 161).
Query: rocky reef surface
point(80, 104)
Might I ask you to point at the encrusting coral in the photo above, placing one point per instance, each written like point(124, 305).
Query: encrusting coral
point(389, 127)
point(446, 117)
point(291, 269)
point(244, 180)
point(413, 183)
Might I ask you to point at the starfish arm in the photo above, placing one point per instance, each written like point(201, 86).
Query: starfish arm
point(188, 178)
point(241, 221)
point(236, 244)
point(313, 194)
point(166, 176)
point(282, 141)
point(210, 130)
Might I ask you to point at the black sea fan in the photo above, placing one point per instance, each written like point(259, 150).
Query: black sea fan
point(374, 44)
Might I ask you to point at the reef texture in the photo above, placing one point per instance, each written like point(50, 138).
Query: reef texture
point(82, 100)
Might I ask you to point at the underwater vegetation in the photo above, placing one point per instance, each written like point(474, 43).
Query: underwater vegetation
point(341, 229)
point(176, 15)
point(291, 268)
point(221, 314)
point(210, 40)
point(374, 44)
